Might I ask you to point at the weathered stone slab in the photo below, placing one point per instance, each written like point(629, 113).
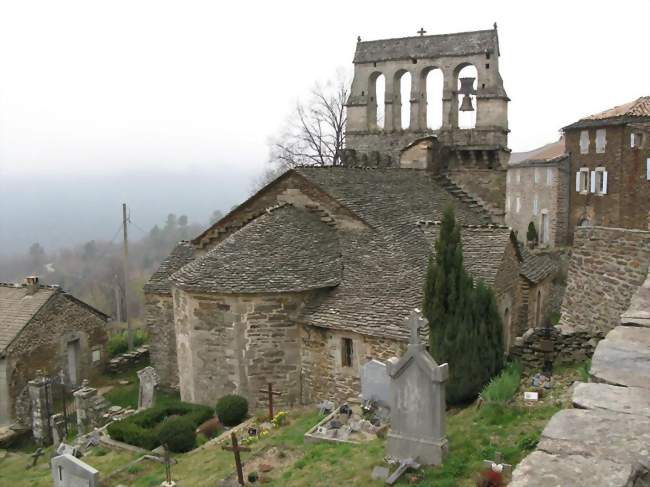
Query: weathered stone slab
point(639, 311)
point(68, 471)
point(616, 437)
point(623, 358)
point(375, 382)
point(541, 469)
point(628, 400)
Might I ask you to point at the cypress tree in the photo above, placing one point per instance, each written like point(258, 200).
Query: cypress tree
point(465, 328)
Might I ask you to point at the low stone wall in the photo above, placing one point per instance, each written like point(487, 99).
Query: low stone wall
point(567, 347)
point(125, 361)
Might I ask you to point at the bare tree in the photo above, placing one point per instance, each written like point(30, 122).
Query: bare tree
point(315, 133)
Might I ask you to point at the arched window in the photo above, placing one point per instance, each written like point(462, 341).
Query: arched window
point(405, 99)
point(376, 99)
point(467, 117)
point(434, 86)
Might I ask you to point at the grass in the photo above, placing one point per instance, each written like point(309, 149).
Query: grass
point(509, 426)
point(502, 388)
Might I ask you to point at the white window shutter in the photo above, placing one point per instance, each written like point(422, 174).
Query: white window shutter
point(578, 181)
point(593, 181)
point(604, 182)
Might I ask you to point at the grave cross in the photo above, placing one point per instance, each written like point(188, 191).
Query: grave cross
point(497, 465)
point(235, 448)
point(415, 322)
point(269, 390)
point(422, 31)
point(35, 455)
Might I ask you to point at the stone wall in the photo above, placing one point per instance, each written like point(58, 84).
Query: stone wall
point(508, 293)
point(159, 317)
point(236, 344)
point(127, 360)
point(607, 266)
point(324, 377)
point(488, 186)
point(42, 344)
point(568, 348)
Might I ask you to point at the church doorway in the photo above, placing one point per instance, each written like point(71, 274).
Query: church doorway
point(73, 361)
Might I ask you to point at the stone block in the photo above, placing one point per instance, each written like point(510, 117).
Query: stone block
point(68, 471)
point(627, 400)
point(623, 358)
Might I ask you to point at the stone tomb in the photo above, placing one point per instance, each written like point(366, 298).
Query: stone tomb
point(148, 382)
point(417, 402)
point(68, 471)
point(375, 383)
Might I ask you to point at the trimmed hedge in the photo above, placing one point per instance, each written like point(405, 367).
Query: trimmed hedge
point(232, 409)
point(142, 429)
point(178, 433)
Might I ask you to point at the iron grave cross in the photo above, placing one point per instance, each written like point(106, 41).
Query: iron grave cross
point(415, 322)
point(235, 448)
point(422, 31)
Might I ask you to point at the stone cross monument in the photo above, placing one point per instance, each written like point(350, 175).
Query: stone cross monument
point(417, 386)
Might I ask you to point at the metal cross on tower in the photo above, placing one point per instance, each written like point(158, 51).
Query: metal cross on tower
point(422, 31)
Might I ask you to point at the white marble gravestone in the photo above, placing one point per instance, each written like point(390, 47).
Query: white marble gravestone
point(417, 430)
point(148, 382)
point(375, 383)
point(68, 471)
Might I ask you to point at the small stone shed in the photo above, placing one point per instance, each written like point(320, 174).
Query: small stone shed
point(44, 328)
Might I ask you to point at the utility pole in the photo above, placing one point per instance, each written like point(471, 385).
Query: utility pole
point(129, 332)
point(118, 299)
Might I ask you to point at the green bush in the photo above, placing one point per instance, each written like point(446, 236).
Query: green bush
point(503, 387)
point(119, 343)
point(232, 409)
point(531, 234)
point(178, 434)
point(142, 428)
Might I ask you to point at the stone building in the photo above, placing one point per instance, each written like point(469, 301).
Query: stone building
point(313, 276)
point(610, 161)
point(537, 190)
point(45, 329)
point(478, 149)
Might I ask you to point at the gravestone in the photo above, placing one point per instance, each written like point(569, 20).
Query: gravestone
point(68, 471)
point(38, 396)
point(375, 383)
point(148, 382)
point(417, 402)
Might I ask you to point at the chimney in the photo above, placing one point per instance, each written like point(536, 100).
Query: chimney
point(31, 283)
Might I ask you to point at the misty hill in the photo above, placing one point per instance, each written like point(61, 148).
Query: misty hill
point(63, 211)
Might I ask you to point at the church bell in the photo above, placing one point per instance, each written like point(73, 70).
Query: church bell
point(467, 89)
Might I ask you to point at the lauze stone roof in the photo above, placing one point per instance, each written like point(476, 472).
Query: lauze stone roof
point(284, 250)
point(182, 254)
point(17, 308)
point(371, 276)
point(457, 44)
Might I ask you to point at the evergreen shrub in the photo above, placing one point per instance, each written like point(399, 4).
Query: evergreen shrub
point(465, 328)
point(232, 409)
point(119, 343)
point(178, 433)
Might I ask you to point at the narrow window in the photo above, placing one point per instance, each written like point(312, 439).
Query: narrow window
point(636, 140)
point(346, 352)
point(518, 176)
point(434, 86)
point(599, 181)
point(97, 355)
point(582, 180)
point(601, 140)
point(467, 104)
point(536, 173)
point(549, 176)
point(584, 142)
point(518, 201)
point(405, 99)
point(535, 206)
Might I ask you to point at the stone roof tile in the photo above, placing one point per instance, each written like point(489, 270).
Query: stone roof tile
point(17, 308)
point(182, 254)
point(535, 267)
point(284, 250)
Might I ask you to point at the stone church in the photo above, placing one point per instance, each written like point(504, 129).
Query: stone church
point(314, 274)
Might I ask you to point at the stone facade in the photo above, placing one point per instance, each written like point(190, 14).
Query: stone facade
point(254, 339)
point(325, 376)
point(159, 318)
point(538, 192)
point(609, 169)
point(44, 344)
point(607, 266)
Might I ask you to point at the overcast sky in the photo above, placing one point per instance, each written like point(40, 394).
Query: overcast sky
point(94, 86)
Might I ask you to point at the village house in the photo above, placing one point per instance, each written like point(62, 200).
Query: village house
point(43, 328)
point(314, 275)
point(537, 191)
point(610, 160)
